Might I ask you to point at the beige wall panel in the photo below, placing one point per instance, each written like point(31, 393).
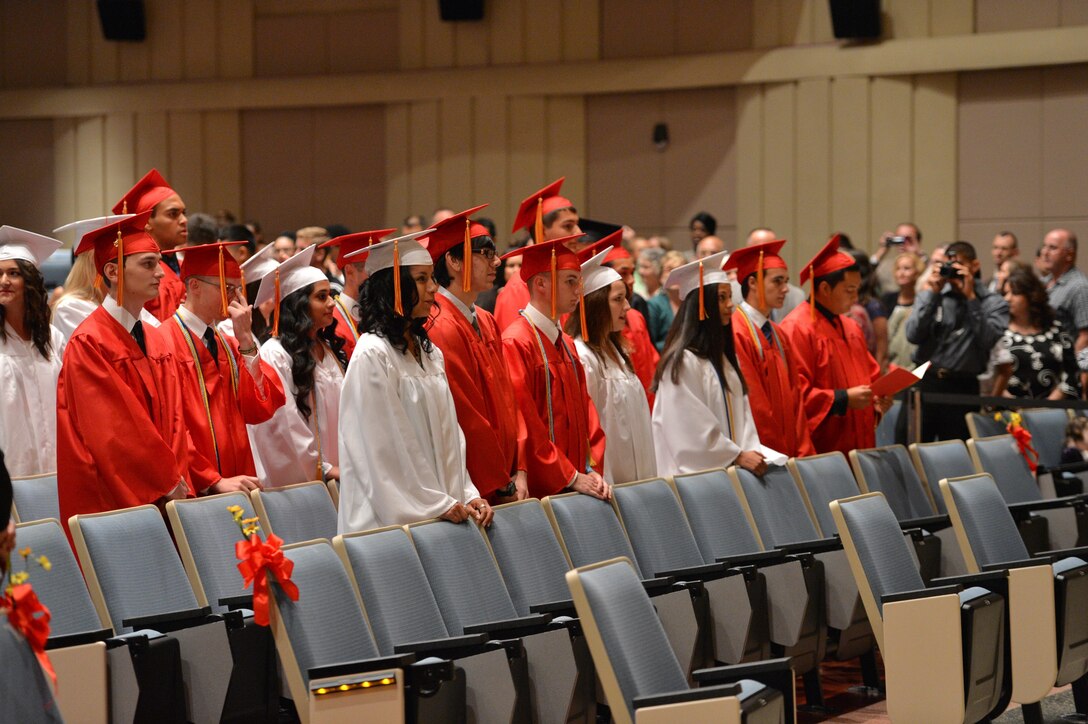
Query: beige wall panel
point(291, 45)
point(437, 38)
point(423, 153)
point(103, 53)
point(65, 208)
point(906, 18)
point(78, 16)
point(890, 184)
point(1029, 234)
point(795, 22)
point(120, 155)
point(277, 168)
point(822, 30)
point(749, 145)
point(167, 39)
point(222, 135)
point(1000, 15)
point(714, 26)
point(544, 22)
point(813, 170)
point(455, 186)
point(1000, 110)
point(363, 41)
point(1078, 226)
point(410, 32)
point(624, 172)
point(507, 32)
point(152, 144)
point(90, 168)
point(489, 174)
point(134, 61)
point(566, 144)
point(638, 28)
point(186, 144)
point(33, 52)
point(780, 158)
point(850, 156)
point(397, 164)
point(1065, 143)
point(200, 18)
point(527, 147)
point(27, 188)
point(1074, 12)
point(766, 23)
point(934, 144)
point(234, 38)
point(581, 30)
point(472, 44)
point(951, 17)
point(349, 178)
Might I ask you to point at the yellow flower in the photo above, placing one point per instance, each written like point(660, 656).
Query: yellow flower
point(250, 530)
point(19, 577)
point(236, 512)
point(45, 563)
point(250, 521)
point(24, 552)
point(997, 416)
point(1015, 419)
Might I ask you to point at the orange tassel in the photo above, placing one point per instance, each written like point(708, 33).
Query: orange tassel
point(555, 285)
point(538, 227)
point(702, 300)
point(276, 311)
point(222, 284)
point(812, 304)
point(120, 244)
point(398, 306)
point(242, 284)
point(759, 283)
point(466, 284)
point(582, 318)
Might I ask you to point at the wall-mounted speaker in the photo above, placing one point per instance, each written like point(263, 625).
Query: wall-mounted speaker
point(461, 10)
point(123, 19)
point(856, 19)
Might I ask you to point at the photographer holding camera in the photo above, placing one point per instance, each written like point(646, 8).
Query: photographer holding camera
point(955, 324)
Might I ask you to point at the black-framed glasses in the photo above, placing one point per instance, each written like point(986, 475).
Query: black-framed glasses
point(488, 254)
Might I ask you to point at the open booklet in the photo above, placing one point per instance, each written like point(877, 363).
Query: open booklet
point(897, 380)
point(772, 457)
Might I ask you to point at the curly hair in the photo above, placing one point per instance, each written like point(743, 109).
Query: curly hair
point(1025, 283)
point(380, 316)
point(295, 326)
point(35, 309)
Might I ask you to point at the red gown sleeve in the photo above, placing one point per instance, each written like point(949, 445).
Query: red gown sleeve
point(803, 341)
point(258, 403)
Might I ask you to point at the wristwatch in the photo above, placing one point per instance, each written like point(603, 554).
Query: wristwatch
point(506, 492)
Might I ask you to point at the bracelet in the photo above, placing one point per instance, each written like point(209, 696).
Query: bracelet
point(247, 351)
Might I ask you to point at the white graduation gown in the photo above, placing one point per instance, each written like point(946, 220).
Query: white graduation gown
point(691, 423)
point(402, 453)
point(28, 404)
point(624, 413)
point(287, 448)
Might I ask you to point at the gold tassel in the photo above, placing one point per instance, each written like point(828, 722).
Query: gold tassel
point(759, 283)
point(702, 301)
point(812, 304)
point(582, 318)
point(398, 306)
point(120, 244)
point(222, 284)
point(124, 206)
point(276, 311)
point(466, 283)
point(242, 284)
point(538, 227)
point(555, 285)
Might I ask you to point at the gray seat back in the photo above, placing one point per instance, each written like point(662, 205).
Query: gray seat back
point(983, 425)
point(885, 429)
point(986, 520)
point(656, 527)
point(134, 563)
point(888, 470)
point(631, 632)
point(462, 573)
point(35, 498)
point(528, 554)
point(945, 459)
point(717, 516)
point(1000, 457)
point(325, 625)
point(206, 530)
point(62, 589)
point(298, 513)
point(780, 512)
point(398, 600)
point(1047, 428)
point(882, 550)
point(590, 530)
point(25, 695)
point(826, 478)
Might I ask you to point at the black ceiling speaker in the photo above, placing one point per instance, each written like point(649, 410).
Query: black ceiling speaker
point(458, 10)
point(856, 19)
point(123, 19)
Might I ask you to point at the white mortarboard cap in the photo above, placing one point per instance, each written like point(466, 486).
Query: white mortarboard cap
point(293, 274)
point(409, 252)
point(20, 244)
point(597, 276)
point(83, 226)
point(687, 277)
point(259, 265)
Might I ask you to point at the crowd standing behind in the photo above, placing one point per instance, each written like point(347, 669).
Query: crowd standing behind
point(190, 355)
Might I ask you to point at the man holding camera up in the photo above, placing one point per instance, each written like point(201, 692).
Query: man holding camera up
point(955, 324)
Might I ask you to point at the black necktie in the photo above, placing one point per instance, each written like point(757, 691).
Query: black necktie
point(138, 335)
point(475, 324)
point(212, 345)
point(767, 331)
point(171, 260)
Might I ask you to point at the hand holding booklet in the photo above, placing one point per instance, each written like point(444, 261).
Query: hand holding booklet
point(897, 380)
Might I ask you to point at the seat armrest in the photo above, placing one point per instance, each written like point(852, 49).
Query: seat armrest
point(973, 579)
point(756, 670)
point(236, 602)
point(702, 572)
point(78, 639)
point(1021, 510)
point(657, 586)
point(1081, 552)
point(929, 523)
point(346, 668)
point(553, 607)
point(762, 558)
point(920, 593)
point(678, 697)
point(1008, 565)
point(512, 628)
point(453, 648)
point(821, 545)
point(172, 621)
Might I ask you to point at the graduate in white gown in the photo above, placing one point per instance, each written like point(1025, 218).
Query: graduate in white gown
point(300, 442)
point(617, 393)
point(402, 452)
point(30, 355)
point(701, 416)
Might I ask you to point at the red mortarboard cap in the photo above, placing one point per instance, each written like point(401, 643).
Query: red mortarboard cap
point(147, 192)
point(535, 207)
point(350, 243)
point(613, 242)
point(746, 260)
point(827, 261)
point(548, 257)
point(211, 260)
point(119, 239)
point(450, 232)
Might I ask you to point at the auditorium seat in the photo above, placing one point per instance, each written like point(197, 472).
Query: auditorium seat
point(25, 693)
point(35, 498)
point(1047, 427)
point(983, 424)
point(296, 513)
point(885, 429)
point(937, 460)
point(943, 647)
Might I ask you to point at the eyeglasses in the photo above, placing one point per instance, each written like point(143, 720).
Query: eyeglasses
point(232, 289)
point(488, 254)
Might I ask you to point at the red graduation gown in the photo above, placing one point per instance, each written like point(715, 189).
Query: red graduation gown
point(230, 410)
point(550, 465)
point(121, 436)
point(512, 299)
point(345, 329)
point(171, 295)
point(774, 390)
point(487, 408)
point(832, 357)
point(644, 356)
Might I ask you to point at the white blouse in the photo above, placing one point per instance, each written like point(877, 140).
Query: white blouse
point(624, 414)
point(402, 452)
point(28, 404)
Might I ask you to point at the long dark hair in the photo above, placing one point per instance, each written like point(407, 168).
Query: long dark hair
point(707, 338)
point(295, 326)
point(260, 324)
point(35, 309)
point(380, 316)
point(1023, 281)
point(601, 339)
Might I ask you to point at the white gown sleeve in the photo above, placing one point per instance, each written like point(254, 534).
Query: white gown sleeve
point(284, 449)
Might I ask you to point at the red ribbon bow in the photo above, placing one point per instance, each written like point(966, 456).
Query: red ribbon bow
point(23, 615)
point(1023, 442)
point(258, 559)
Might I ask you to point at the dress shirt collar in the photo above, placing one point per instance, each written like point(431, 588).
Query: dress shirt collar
point(119, 313)
point(193, 322)
point(757, 317)
point(349, 304)
point(541, 322)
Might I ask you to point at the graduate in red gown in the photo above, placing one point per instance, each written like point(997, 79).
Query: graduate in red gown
point(487, 408)
point(225, 390)
point(766, 360)
point(168, 227)
point(346, 311)
point(547, 216)
point(121, 436)
point(549, 380)
point(834, 363)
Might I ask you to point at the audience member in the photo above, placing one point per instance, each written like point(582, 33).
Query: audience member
point(665, 302)
point(907, 237)
point(283, 248)
point(708, 246)
point(1004, 248)
point(899, 305)
point(202, 230)
point(411, 224)
point(701, 226)
point(238, 232)
point(1067, 286)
